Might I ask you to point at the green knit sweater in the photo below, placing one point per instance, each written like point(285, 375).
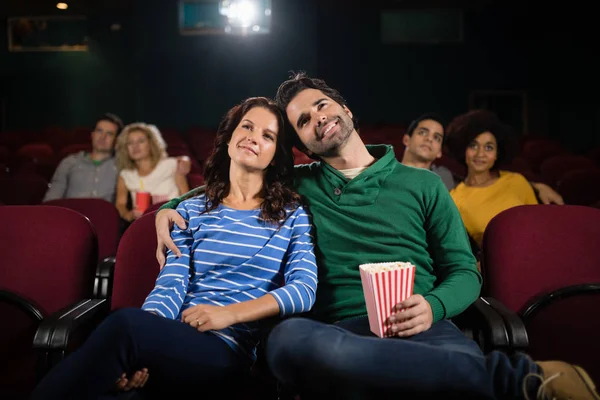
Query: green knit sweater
point(390, 212)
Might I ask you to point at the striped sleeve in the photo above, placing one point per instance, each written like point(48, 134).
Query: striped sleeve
point(170, 290)
point(298, 293)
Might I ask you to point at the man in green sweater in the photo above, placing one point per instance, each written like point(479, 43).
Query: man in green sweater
point(368, 208)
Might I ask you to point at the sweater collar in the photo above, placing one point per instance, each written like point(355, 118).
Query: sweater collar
point(385, 158)
point(363, 189)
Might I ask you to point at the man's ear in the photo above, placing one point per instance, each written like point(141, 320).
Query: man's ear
point(405, 139)
point(347, 111)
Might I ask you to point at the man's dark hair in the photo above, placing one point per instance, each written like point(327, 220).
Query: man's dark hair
point(110, 117)
point(427, 116)
point(290, 89)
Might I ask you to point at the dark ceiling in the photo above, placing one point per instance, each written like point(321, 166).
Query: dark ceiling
point(15, 8)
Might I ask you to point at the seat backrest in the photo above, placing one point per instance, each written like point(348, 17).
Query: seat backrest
point(555, 167)
point(103, 215)
point(195, 180)
point(580, 187)
point(48, 255)
point(47, 264)
point(520, 165)
point(594, 154)
point(579, 342)
point(18, 367)
point(25, 189)
point(536, 249)
point(36, 151)
point(535, 151)
point(543, 262)
point(73, 149)
point(201, 142)
point(136, 267)
point(3, 155)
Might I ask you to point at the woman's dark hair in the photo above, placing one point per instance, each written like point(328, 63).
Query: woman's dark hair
point(278, 192)
point(297, 83)
point(462, 130)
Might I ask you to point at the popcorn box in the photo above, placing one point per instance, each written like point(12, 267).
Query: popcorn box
point(384, 286)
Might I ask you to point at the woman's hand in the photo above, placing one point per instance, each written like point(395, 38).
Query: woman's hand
point(137, 380)
point(205, 317)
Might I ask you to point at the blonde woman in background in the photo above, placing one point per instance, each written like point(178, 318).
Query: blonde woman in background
point(144, 166)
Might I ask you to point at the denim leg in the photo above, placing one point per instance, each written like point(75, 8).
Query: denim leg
point(508, 373)
point(305, 353)
point(178, 358)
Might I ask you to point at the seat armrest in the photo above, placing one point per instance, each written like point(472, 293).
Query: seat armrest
point(52, 338)
point(54, 331)
point(25, 305)
point(104, 278)
point(486, 325)
point(515, 326)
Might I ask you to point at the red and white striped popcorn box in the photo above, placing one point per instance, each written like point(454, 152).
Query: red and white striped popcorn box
point(384, 286)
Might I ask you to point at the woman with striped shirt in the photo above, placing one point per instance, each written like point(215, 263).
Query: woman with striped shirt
point(246, 254)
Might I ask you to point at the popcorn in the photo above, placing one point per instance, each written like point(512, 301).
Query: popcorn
point(384, 286)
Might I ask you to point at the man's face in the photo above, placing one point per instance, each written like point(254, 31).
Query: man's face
point(425, 144)
point(103, 136)
point(322, 124)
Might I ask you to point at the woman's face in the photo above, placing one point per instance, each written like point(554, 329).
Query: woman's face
point(254, 141)
point(138, 145)
point(482, 153)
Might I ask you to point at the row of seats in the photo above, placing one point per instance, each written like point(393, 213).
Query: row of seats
point(18, 150)
point(577, 187)
point(542, 262)
point(59, 137)
point(540, 265)
point(576, 177)
point(50, 321)
point(29, 188)
point(198, 143)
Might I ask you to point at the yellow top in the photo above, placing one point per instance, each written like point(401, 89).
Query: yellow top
point(478, 205)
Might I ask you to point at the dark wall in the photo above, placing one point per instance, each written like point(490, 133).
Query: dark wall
point(67, 88)
point(193, 80)
point(547, 52)
point(148, 71)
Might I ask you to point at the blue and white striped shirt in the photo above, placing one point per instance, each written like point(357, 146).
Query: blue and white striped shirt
point(230, 256)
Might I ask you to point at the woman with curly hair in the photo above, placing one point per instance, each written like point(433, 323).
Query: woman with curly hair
point(144, 167)
point(246, 254)
point(482, 143)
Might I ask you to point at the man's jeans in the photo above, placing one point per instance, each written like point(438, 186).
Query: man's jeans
point(346, 360)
